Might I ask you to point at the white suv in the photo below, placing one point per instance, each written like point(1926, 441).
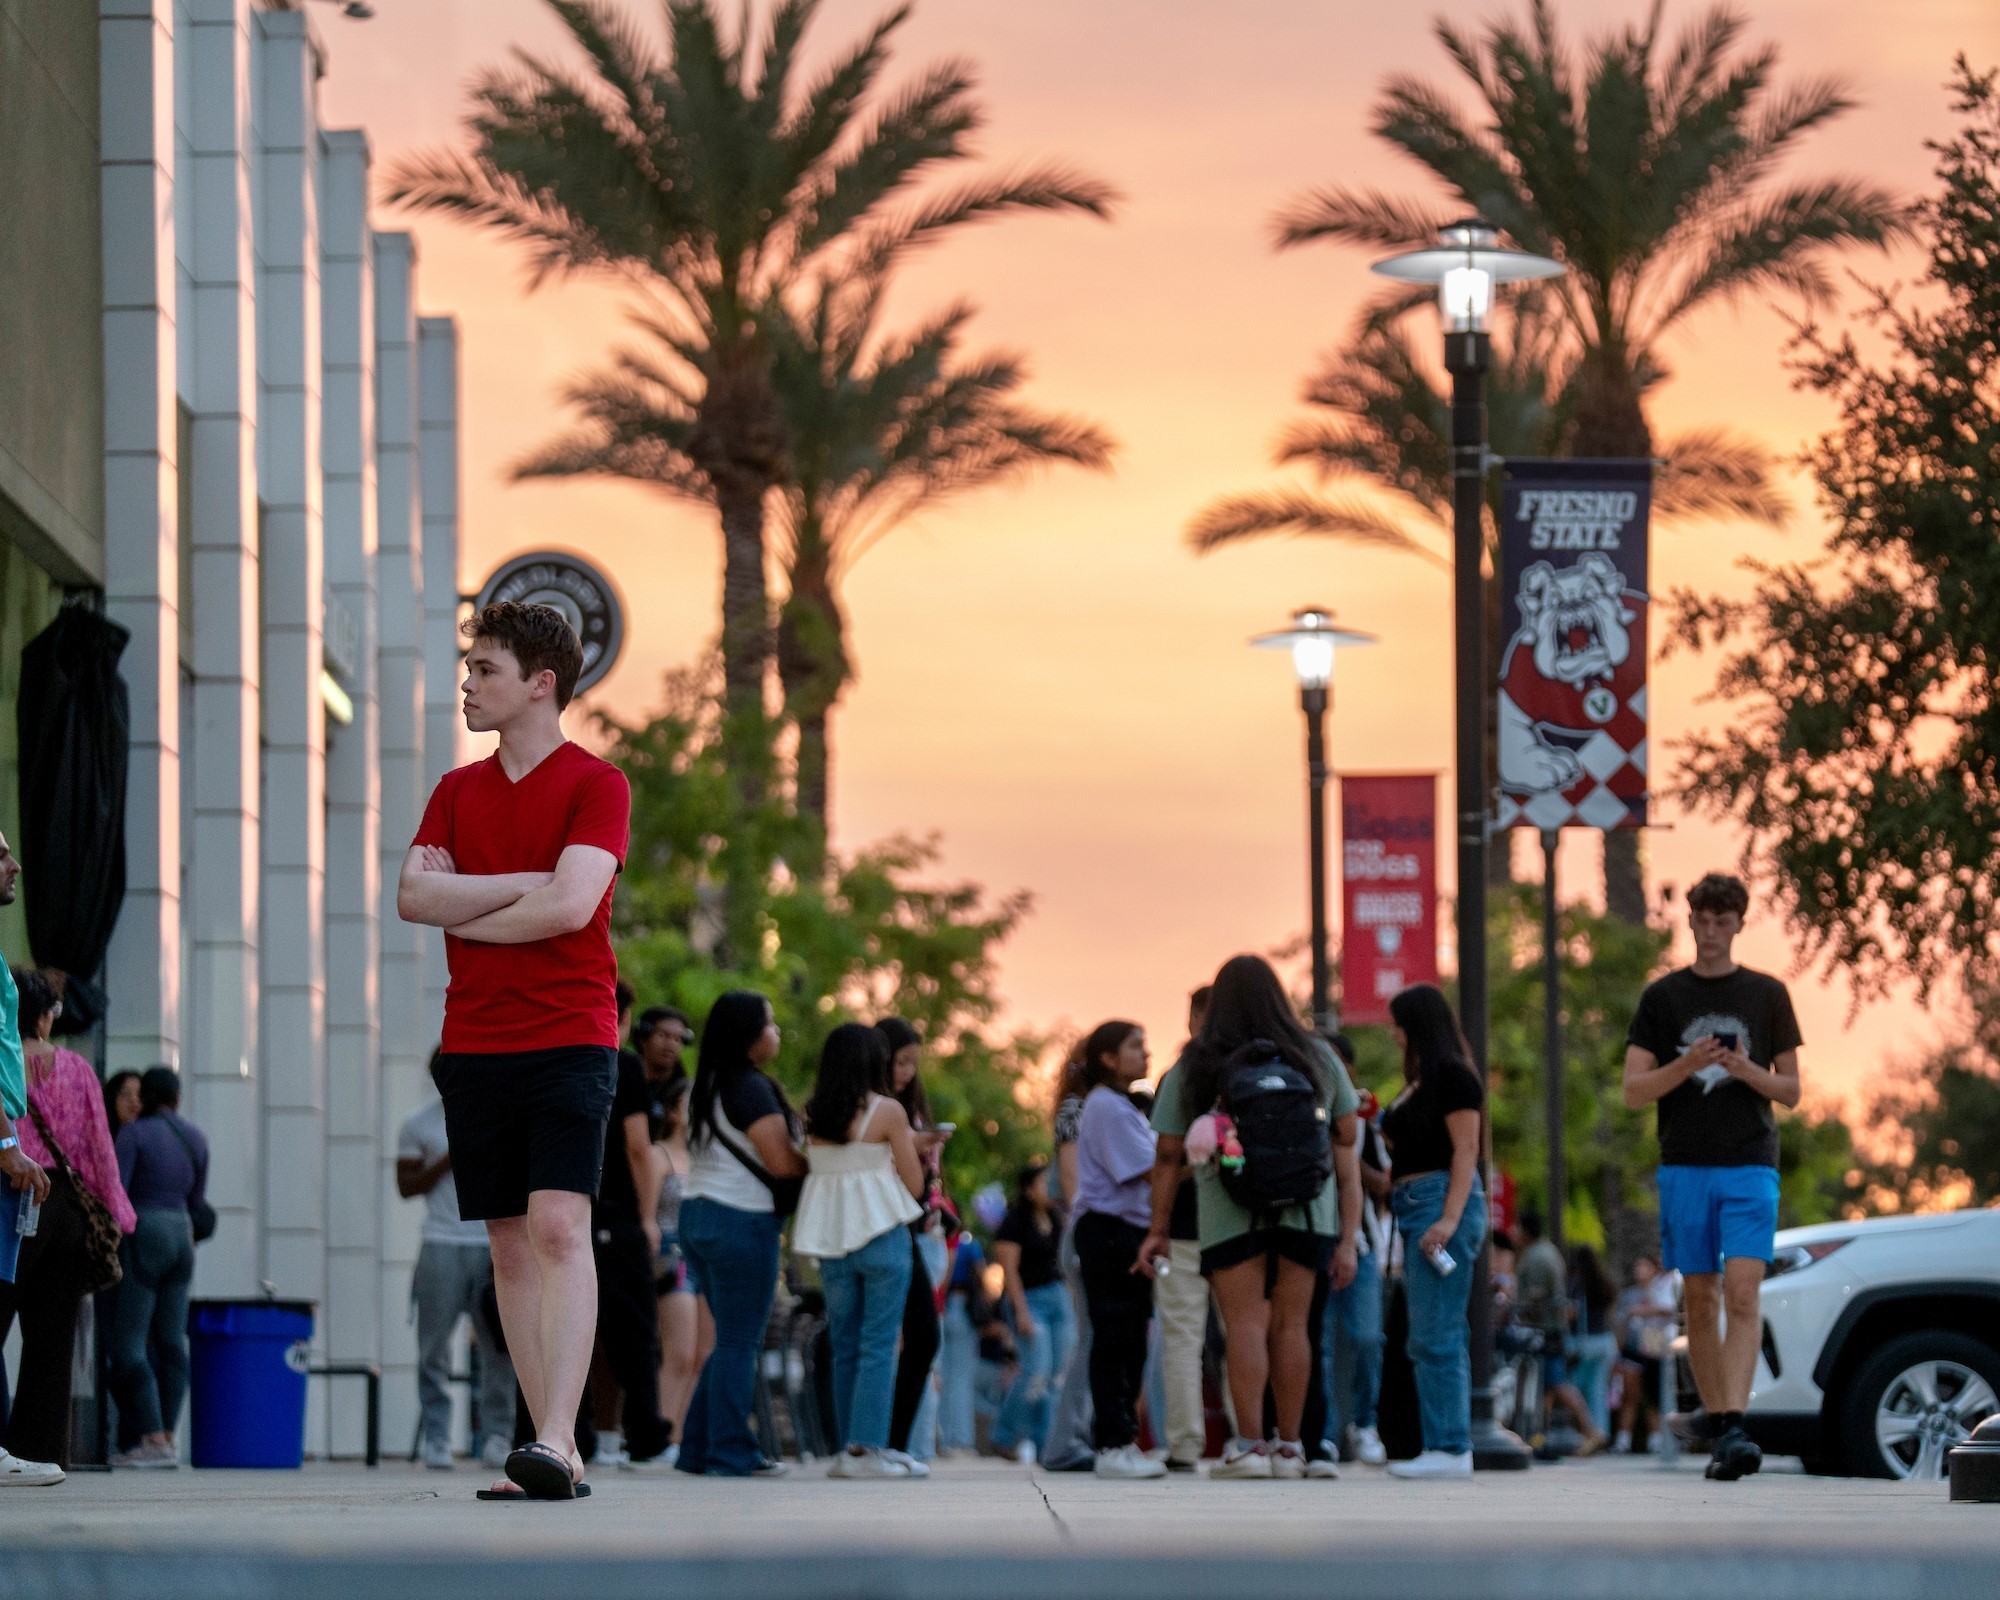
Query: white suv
point(1881, 1342)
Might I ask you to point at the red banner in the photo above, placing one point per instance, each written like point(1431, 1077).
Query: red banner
point(1388, 891)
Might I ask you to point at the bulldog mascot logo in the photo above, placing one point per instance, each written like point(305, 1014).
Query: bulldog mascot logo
point(1570, 674)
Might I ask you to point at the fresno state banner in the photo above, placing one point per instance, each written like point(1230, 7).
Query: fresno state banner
point(1572, 735)
point(1388, 891)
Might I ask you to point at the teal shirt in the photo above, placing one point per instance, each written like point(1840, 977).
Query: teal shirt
point(13, 1070)
point(1219, 1217)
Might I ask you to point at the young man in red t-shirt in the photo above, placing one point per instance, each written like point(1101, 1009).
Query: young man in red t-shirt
point(515, 860)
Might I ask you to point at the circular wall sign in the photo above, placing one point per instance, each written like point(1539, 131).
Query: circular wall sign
point(575, 588)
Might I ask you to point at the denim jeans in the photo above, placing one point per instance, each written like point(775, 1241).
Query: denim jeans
point(1595, 1354)
point(151, 1308)
point(736, 1254)
point(865, 1290)
point(450, 1282)
point(1353, 1350)
point(1044, 1350)
point(1068, 1443)
point(934, 1261)
point(958, 1377)
point(1439, 1343)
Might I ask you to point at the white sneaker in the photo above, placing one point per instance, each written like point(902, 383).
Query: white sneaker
point(1127, 1461)
point(1368, 1447)
point(1288, 1459)
point(1322, 1467)
point(1024, 1452)
point(866, 1464)
point(908, 1462)
point(158, 1456)
point(650, 1465)
point(1243, 1458)
point(1434, 1464)
point(437, 1455)
point(494, 1451)
point(18, 1474)
point(1622, 1445)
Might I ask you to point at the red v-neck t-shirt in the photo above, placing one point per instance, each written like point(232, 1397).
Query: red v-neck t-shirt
point(551, 992)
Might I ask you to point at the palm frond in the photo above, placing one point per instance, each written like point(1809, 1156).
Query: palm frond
point(1044, 188)
point(1297, 514)
point(1711, 472)
point(1357, 216)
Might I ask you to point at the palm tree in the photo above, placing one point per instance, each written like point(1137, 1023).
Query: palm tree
point(878, 428)
point(1649, 168)
point(714, 181)
point(881, 429)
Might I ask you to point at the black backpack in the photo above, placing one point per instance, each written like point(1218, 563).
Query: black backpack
point(1282, 1127)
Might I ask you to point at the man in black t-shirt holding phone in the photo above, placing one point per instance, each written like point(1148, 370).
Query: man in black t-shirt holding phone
point(1715, 1045)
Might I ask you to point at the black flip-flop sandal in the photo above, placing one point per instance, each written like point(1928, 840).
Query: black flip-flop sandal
point(543, 1475)
point(521, 1496)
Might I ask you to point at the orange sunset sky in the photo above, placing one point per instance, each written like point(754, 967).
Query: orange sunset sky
point(1047, 677)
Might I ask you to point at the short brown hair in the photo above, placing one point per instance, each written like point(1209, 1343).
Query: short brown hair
point(539, 637)
point(1720, 892)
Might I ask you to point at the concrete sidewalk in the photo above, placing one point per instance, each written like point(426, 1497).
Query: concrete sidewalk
point(988, 1531)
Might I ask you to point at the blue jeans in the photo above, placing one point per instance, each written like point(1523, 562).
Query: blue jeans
point(1439, 1343)
point(1595, 1353)
point(1044, 1350)
point(958, 1377)
point(735, 1254)
point(934, 1255)
point(148, 1336)
point(865, 1291)
point(1353, 1349)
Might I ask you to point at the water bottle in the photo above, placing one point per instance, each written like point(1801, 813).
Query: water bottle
point(27, 1214)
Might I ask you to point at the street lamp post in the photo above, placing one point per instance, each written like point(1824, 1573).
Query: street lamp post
point(1465, 264)
point(1312, 640)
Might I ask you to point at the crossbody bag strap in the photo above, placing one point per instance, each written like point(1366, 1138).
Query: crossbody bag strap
point(49, 1139)
point(757, 1168)
point(187, 1144)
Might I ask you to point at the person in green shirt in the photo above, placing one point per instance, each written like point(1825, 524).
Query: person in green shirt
point(1263, 1270)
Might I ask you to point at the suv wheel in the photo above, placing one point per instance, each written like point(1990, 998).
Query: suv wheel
point(1915, 1398)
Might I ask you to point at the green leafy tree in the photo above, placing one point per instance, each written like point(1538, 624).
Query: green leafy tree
point(715, 182)
point(870, 937)
point(1941, 1122)
point(1649, 167)
point(1862, 755)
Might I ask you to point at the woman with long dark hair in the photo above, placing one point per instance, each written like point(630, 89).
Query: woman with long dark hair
point(923, 1330)
point(65, 1133)
point(742, 1161)
point(1432, 1130)
point(862, 1183)
point(121, 1100)
point(1262, 1268)
point(1114, 1184)
point(1594, 1296)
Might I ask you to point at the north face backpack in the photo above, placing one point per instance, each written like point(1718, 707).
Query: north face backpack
point(1281, 1126)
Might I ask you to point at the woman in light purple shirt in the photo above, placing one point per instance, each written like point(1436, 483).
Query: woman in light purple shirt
point(1113, 1204)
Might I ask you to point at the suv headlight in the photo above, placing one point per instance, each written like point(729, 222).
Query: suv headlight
point(1791, 1257)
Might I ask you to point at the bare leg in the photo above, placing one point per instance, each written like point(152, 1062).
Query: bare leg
point(1290, 1346)
point(1246, 1318)
point(559, 1232)
point(1740, 1277)
point(1702, 1294)
point(680, 1355)
point(517, 1287)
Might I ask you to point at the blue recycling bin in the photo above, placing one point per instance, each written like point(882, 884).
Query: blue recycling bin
point(247, 1363)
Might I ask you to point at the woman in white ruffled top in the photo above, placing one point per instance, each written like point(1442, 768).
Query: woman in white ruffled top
point(863, 1179)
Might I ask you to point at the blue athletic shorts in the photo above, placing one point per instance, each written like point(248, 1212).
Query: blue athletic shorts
point(1709, 1214)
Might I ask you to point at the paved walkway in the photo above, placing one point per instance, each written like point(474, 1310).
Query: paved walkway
point(988, 1531)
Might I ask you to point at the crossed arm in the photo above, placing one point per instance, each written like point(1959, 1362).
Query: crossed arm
point(506, 907)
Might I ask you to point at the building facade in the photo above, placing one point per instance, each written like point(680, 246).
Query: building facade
point(224, 421)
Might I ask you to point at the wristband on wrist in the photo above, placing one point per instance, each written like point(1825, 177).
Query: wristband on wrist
point(10, 1143)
